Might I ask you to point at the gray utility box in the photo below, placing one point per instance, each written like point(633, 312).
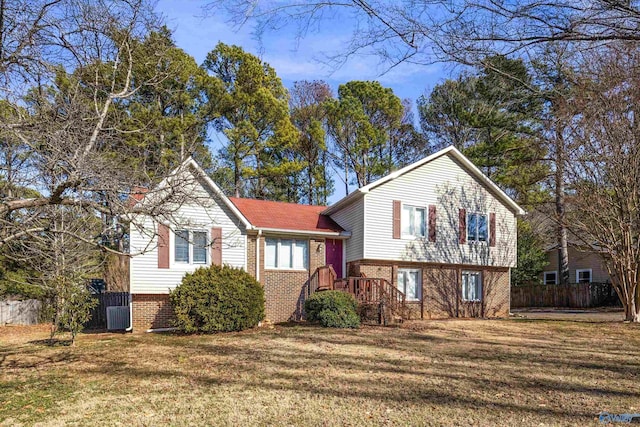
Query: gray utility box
point(118, 318)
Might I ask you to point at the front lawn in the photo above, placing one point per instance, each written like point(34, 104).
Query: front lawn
point(458, 372)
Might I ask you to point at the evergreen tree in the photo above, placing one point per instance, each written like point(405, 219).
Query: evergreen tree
point(308, 115)
point(253, 113)
point(361, 122)
point(493, 117)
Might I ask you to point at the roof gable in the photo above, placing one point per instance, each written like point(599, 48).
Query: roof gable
point(452, 151)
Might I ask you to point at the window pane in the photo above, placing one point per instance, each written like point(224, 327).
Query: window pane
point(550, 278)
point(300, 255)
point(420, 222)
point(270, 253)
point(409, 284)
point(407, 220)
point(471, 286)
point(482, 228)
point(584, 276)
point(182, 246)
point(199, 247)
point(284, 254)
point(413, 291)
point(472, 227)
point(465, 286)
point(401, 287)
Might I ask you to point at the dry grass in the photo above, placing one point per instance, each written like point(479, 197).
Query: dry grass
point(511, 372)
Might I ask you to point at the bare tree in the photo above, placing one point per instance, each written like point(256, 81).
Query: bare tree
point(435, 30)
point(604, 166)
point(60, 144)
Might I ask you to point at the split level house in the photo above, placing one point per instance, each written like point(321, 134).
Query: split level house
point(438, 233)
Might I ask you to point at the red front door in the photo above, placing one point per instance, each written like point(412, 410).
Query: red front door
point(334, 255)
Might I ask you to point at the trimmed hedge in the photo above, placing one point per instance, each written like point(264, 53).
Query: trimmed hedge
point(217, 299)
point(333, 309)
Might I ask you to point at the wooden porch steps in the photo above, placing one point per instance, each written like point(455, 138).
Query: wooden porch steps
point(375, 295)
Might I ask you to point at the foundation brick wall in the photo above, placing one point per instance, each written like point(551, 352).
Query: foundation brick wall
point(151, 312)
point(441, 288)
point(284, 294)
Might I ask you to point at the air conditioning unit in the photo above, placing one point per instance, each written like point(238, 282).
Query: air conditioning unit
point(118, 318)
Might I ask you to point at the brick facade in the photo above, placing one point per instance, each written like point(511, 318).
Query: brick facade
point(151, 311)
point(441, 288)
point(285, 290)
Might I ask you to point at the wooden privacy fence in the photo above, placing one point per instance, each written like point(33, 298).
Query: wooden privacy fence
point(572, 295)
point(25, 312)
point(99, 313)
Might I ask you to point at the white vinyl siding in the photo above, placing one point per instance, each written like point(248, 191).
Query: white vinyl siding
point(351, 218)
point(147, 278)
point(448, 186)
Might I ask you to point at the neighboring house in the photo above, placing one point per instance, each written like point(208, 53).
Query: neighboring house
point(585, 266)
point(438, 229)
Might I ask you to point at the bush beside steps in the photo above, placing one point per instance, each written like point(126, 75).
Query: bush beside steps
point(333, 309)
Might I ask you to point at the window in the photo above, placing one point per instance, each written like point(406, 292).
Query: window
point(409, 283)
point(199, 247)
point(583, 276)
point(191, 245)
point(550, 278)
point(477, 227)
point(413, 221)
point(182, 246)
point(471, 286)
point(286, 254)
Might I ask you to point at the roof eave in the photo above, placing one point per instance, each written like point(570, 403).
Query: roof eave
point(336, 234)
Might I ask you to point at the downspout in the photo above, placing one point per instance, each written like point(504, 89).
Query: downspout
point(258, 256)
point(130, 328)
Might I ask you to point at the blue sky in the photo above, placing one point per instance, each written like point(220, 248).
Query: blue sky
point(291, 58)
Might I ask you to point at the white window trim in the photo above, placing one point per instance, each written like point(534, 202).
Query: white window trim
point(544, 277)
point(190, 244)
point(426, 222)
point(478, 241)
point(581, 270)
point(279, 239)
point(479, 273)
point(411, 270)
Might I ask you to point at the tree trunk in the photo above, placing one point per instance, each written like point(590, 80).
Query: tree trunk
point(631, 310)
point(563, 248)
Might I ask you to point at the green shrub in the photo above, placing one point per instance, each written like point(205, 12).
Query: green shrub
point(217, 299)
point(333, 309)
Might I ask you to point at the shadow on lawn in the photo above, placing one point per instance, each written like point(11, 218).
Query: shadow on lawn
point(387, 368)
point(450, 367)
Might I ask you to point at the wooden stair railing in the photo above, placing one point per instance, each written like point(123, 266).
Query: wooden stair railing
point(367, 290)
point(390, 300)
point(322, 279)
